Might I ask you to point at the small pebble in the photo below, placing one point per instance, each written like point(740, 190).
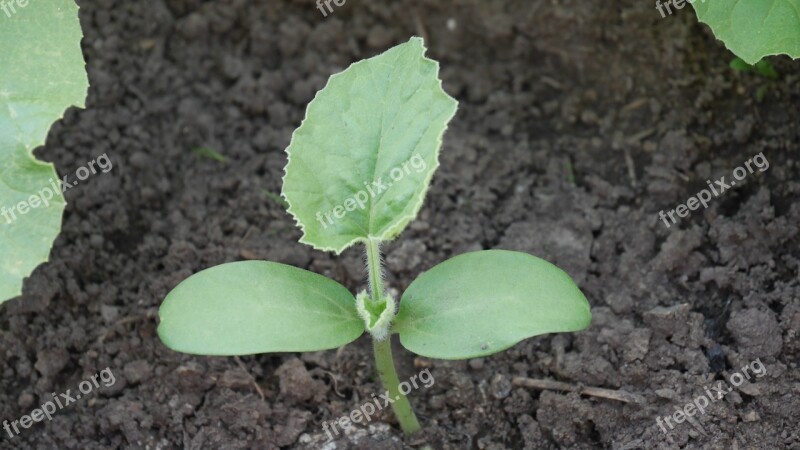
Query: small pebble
point(422, 363)
point(476, 364)
point(25, 400)
point(500, 386)
point(666, 393)
point(751, 416)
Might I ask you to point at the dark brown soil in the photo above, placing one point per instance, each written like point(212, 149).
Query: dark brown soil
point(579, 121)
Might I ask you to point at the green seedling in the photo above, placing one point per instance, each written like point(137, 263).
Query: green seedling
point(359, 167)
point(42, 74)
point(753, 29)
point(763, 68)
point(210, 153)
point(275, 198)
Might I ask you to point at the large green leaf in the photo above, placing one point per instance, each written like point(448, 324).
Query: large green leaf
point(753, 29)
point(42, 72)
point(480, 303)
point(361, 161)
point(250, 307)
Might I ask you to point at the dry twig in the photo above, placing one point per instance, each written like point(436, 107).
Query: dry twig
point(610, 394)
point(252, 378)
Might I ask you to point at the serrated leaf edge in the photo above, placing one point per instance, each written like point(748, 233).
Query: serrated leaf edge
point(403, 220)
point(62, 202)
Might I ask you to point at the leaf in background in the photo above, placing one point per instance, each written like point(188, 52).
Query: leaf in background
point(250, 307)
point(41, 74)
point(753, 29)
point(480, 303)
point(380, 116)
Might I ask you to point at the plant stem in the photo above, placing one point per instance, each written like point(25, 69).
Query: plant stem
point(374, 268)
point(383, 348)
point(401, 407)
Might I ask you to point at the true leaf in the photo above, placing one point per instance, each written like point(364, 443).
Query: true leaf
point(381, 117)
point(480, 303)
point(251, 307)
point(753, 29)
point(42, 73)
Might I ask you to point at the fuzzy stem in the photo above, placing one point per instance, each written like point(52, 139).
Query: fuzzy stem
point(401, 407)
point(374, 269)
point(383, 348)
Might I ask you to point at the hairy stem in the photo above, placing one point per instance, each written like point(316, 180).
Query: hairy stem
point(383, 348)
point(401, 407)
point(374, 269)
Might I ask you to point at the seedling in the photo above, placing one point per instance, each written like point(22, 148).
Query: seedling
point(210, 153)
point(763, 68)
point(275, 198)
point(359, 167)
